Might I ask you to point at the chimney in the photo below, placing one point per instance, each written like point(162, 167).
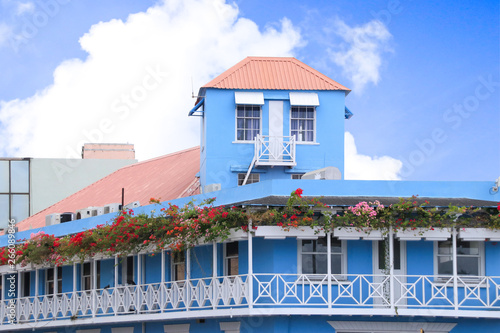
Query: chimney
point(117, 151)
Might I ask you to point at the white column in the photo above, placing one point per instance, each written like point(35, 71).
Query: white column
point(391, 266)
point(329, 266)
point(116, 272)
point(162, 286)
point(214, 275)
point(187, 284)
point(93, 274)
point(250, 266)
point(139, 282)
point(73, 297)
point(35, 305)
point(455, 279)
point(214, 259)
point(56, 289)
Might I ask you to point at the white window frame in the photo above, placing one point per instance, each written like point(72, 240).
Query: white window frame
point(343, 256)
point(174, 264)
point(314, 124)
point(93, 275)
point(125, 267)
point(294, 176)
point(227, 258)
point(481, 261)
point(236, 122)
point(252, 178)
point(47, 281)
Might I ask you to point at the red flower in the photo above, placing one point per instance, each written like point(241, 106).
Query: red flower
point(298, 192)
point(225, 214)
point(498, 207)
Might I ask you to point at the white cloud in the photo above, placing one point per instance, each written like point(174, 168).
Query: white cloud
point(5, 33)
point(25, 7)
point(361, 53)
point(135, 84)
point(363, 167)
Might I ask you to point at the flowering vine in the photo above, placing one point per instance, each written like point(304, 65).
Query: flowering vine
point(178, 228)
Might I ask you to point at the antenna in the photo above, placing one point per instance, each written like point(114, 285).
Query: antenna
point(192, 88)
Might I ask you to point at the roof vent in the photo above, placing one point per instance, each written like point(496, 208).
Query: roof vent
point(211, 188)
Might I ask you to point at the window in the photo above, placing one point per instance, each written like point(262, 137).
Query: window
point(231, 259)
point(178, 266)
point(247, 122)
point(252, 178)
point(313, 256)
point(302, 123)
point(14, 190)
point(50, 280)
point(128, 271)
point(26, 284)
point(297, 176)
point(470, 258)
point(88, 276)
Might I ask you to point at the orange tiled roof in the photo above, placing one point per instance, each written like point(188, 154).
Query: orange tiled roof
point(277, 73)
point(167, 177)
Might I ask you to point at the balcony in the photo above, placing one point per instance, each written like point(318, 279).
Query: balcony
point(297, 294)
point(275, 150)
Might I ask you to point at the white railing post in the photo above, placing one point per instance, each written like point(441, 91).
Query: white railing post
point(74, 298)
point(35, 305)
point(214, 275)
point(115, 287)
point(139, 282)
point(329, 267)
point(93, 272)
point(18, 295)
point(250, 265)
point(187, 284)
point(391, 266)
point(163, 287)
point(455, 278)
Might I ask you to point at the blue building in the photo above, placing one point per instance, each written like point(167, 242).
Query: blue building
point(268, 127)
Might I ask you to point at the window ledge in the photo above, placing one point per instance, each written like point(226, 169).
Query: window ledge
point(307, 143)
point(246, 142)
point(470, 282)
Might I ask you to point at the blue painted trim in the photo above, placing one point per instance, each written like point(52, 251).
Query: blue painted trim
point(348, 113)
point(193, 110)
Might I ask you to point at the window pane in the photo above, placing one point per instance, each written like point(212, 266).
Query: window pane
point(314, 263)
point(468, 248)
point(444, 247)
point(4, 176)
point(468, 265)
point(86, 268)
point(4, 210)
point(19, 176)
point(445, 265)
point(336, 263)
point(232, 266)
point(336, 246)
point(232, 249)
point(20, 206)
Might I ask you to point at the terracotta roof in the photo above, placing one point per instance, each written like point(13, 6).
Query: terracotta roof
point(167, 177)
point(276, 73)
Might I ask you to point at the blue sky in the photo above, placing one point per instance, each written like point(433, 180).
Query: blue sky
point(425, 75)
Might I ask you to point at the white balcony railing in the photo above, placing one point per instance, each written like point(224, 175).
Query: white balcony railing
point(275, 150)
point(369, 294)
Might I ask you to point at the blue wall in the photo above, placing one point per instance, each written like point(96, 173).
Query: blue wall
point(220, 153)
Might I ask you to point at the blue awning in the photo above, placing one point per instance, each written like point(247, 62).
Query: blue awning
point(196, 107)
point(348, 114)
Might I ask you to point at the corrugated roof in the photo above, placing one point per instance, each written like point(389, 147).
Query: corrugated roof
point(167, 177)
point(276, 73)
